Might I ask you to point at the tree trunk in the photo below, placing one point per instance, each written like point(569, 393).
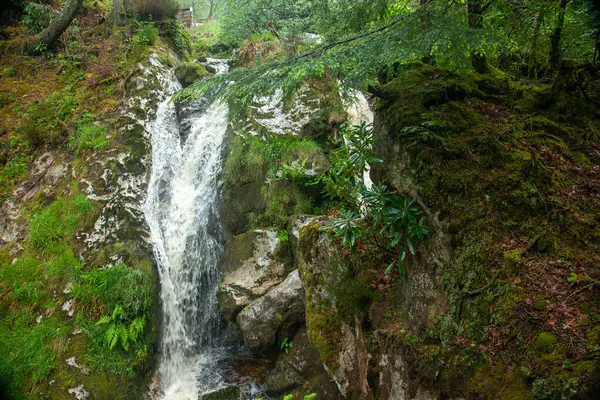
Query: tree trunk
point(536, 35)
point(119, 13)
point(554, 56)
point(52, 33)
point(212, 8)
point(475, 16)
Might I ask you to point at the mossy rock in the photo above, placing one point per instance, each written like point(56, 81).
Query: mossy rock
point(189, 73)
point(545, 343)
point(547, 243)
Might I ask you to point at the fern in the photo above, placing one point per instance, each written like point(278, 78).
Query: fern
point(117, 330)
point(136, 328)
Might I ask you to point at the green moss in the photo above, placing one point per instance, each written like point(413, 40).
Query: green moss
point(323, 328)
point(547, 243)
point(497, 384)
point(189, 73)
point(544, 343)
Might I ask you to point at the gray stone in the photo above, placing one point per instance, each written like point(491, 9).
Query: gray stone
point(210, 69)
point(299, 366)
point(253, 267)
point(273, 317)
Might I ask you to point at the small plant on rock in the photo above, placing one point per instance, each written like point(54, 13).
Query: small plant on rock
point(286, 344)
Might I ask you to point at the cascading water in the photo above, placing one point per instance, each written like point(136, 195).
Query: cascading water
point(181, 211)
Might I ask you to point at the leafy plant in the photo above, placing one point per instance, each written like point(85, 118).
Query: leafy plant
point(283, 236)
point(286, 345)
point(311, 396)
point(181, 39)
point(393, 218)
point(123, 286)
point(343, 181)
point(147, 34)
point(36, 17)
point(397, 220)
point(117, 330)
point(347, 228)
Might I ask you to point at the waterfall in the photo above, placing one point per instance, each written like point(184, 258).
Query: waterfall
point(182, 214)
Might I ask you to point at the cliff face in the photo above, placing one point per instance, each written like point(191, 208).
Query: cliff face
point(500, 301)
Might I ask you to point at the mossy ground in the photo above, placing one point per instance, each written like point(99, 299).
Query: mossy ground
point(515, 185)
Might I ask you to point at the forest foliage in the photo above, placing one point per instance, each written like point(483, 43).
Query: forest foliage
point(358, 41)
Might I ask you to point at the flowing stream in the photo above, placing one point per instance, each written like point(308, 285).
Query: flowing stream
point(181, 211)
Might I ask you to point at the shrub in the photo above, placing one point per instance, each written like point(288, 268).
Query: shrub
point(36, 17)
point(157, 10)
point(181, 39)
point(148, 34)
point(88, 137)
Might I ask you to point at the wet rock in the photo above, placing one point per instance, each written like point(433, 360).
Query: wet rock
point(211, 69)
point(273, 317)
point(79, 392)
point(45, 172)
point(228, 393)
point(254, 265)
point(299, 366)
point(10, 230)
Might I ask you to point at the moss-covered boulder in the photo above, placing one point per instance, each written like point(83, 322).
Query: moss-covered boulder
point(486, 171)
point(188, 73)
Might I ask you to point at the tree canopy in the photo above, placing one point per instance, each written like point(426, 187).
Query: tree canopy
point(361, 39)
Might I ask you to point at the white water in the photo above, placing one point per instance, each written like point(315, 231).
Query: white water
point(181, 211)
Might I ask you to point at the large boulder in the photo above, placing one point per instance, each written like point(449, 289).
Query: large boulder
point(254, 263)
point(277, 315)
point(189, 73)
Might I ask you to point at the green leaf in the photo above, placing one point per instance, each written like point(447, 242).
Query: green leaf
point(390, 267)
point(411, 246)
point(124, 336)
point(112, 336)
point(104, 320)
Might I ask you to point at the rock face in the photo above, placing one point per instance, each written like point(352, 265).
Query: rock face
point(345, 330)
point(256, 262)
point(273, 317)
point(301, 366)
